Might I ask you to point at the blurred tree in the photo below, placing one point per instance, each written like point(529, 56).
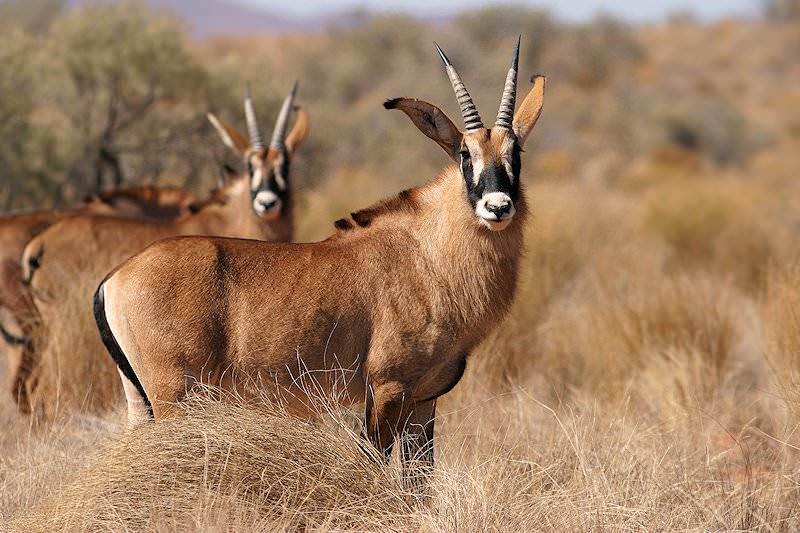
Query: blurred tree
point(711, 126)
point(377, 48)
point(783, 10)
point(493, 27)
point(596, 49)
point(34, 16)
point(124, 93)
point(19, 177)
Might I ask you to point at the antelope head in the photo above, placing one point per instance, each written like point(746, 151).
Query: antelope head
point(267, 166)
point(488, 158)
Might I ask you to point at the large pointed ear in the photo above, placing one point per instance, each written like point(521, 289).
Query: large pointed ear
point(528, 113)
point(431, 121)
point(299, 130)
point(232, 138)
point(225, 174)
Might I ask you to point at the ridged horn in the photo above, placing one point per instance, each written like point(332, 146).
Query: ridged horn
point(505, 115)
point(472, 120)
point(279, 133)
point(256, 140)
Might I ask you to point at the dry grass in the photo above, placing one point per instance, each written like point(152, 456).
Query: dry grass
point(225, 464)
point(782, 332)
point(622, 393)
point(608, 340)
point(505, 462)
point(74, 372)
point(627, 390)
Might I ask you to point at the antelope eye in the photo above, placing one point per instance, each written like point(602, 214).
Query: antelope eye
point(250, 167)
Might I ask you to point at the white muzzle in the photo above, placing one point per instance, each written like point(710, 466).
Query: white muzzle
point(267, 205)
point(495, 210)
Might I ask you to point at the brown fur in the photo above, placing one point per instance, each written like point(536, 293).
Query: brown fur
point(17, 229)
point(144, 201)
point(384, 312)
point(106, 241)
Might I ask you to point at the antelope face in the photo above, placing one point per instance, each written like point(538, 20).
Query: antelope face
point(490, 163)
point(489, 159)
point(267, 165)
point(269, 187)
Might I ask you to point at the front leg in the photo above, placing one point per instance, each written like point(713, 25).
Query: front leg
point(416, 452)
point(391, 413)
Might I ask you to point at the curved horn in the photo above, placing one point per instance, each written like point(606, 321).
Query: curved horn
point(279, 133)
point(472, 120)
point(256, 140)
point(505, 115)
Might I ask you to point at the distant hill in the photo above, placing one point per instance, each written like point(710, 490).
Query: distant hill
point(216, 17)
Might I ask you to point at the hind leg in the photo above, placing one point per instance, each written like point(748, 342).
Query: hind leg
point(26, 378)
point(138, 412)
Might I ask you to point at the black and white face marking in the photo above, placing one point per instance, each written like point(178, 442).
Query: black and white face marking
point(492, 180)
point(268, 184)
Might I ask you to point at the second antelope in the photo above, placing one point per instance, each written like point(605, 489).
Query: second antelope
point(17, 313)
point(388, 308)
point(64, 264)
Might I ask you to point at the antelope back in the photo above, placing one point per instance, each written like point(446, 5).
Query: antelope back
point(146, 201)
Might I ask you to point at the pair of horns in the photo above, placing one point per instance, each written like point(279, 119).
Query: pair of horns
point(279, 133)
point(472, 120)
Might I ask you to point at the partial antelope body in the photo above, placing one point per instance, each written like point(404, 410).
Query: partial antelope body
point(145, 201)
point(388, 308)
point(257, 206)
point(17, 312)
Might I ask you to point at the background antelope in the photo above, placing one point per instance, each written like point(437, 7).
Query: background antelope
point(17, 312)
point(393, 303)
point(257, 205)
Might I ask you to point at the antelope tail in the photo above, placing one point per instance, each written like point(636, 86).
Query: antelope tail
point(113, 347)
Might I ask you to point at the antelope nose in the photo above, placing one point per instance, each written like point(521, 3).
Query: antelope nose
point(499, 210)
point(268, 204)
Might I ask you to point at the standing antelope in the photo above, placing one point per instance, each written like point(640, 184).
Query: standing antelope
point(257, 206)
point(394, 301)
point(17, 312)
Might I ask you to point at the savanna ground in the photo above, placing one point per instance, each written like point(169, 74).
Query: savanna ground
point(648, 376)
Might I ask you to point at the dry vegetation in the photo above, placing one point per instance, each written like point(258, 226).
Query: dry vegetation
point(648, 375)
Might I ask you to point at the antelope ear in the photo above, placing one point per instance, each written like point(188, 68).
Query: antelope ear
point(299, 130)
point(431, 121)
point(232, 138)
point(225, 175)
point(530, 110)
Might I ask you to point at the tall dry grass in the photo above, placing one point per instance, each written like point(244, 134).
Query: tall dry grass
point(504, 462)
point(230, 465)
point(781, 309)
point(621, 393)
point(74, 371)
point(609, 339)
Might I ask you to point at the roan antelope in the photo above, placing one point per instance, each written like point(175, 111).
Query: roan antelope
point(80, 251)
point(394, 301)
point(17, 313)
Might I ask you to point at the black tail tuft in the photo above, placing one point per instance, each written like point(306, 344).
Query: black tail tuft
point(113, 347)
point(391, 103)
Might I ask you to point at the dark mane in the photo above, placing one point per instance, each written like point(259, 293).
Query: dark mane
point(405, 202)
